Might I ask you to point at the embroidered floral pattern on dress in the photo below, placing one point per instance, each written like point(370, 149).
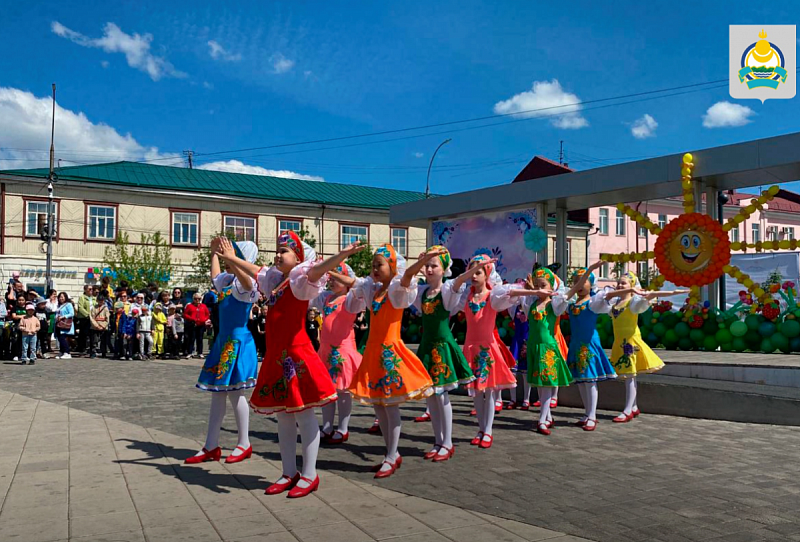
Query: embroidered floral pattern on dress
point(390, 362)
point(577, 308)
point(538, 315)
point(335, 363)
point(625, 361)
point(429, 307)
point(291, 369)
point(482, 364)
point(439, 369)
point(616, 312)
point(376, 305)
point(581, 361)
point(547, 371)
point(273, 298)
point(476, 307)
point(226, 292)
point(227, 357)
point(330, 309)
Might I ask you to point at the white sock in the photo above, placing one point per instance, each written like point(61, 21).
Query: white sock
point(478, 401)
point(241, 412)
point(391, 432)
point(436, 418)
point(383, 420)
point(345, 403)
point(591, 395)
point(545, 395)
point(554, 395)
point(636, 389)
point(215, 417)
point(582, 390)
point(328, 414)
point(309, 443)
point(447, 421)
point(630, 395)
point(287, 442)
point(526, 391)
point(488, 413)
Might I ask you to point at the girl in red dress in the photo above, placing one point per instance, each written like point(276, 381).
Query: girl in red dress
point(292, 379)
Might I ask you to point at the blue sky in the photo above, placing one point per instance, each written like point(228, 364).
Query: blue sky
point(145, 82)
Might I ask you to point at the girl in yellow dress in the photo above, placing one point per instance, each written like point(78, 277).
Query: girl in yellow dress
point(630, 355)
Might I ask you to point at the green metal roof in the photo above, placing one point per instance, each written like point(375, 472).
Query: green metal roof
point(202, 181)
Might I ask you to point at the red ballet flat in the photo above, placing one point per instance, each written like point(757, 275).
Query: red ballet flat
point(386, 473)
point(375, 429)
point(477, 439)
point(246, 453)
point(278, 488)
point(325, 438)
point(397, 463)
point(339, 438)
point(580, 423)
point(498, 408)
point(486, 443)
point(213, 455)
point(298, 492)
point(525, 405)
point(431, 454)
point(553, 403)
point(450, 453)
point(511, 405)
point(590, 427)
point(623, 418)
point(635, 412)
point(424, 418)
point(550, 423)
point(473, 412)
point(537, 404)
point(543, 429)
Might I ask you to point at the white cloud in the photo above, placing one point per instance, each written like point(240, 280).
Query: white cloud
point(419, 154)
point(726, 115)
point(104, 63)
point(135, 47)
point(546, 99)
point(235, 166)
point(280, 63)
point(25, 136)
point(644, 127)
point(208, 85)
point(308, 73)
point(218, 52)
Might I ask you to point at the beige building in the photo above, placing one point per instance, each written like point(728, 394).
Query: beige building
point(188, 207)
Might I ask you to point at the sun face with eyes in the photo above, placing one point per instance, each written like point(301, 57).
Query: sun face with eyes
point(692, 250)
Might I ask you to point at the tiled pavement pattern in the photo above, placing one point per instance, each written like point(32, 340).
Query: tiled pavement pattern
point(657, 478)
point(70, 475)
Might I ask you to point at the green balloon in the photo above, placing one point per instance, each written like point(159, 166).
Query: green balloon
point(752, 322)
point(726, 347)
point(753, 340)
point(711, 326)
point(766, 329)
point(670, 337)
point(738, 344)
point(738, 329)
point(682, 329)
point(794, 344)
point(685, 343)
point(697, 336)
point(790, 328)
point(660, 330)
point(723, 336)
point(780, 341)
point(710, 344)
point(767, 347)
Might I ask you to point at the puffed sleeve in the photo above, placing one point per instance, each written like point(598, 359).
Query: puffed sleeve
point(245, 295)
point(500, 298)
point(267, 279)
point(354, 304)
point(359, 295)
point(638, 304)
point(454, 300)
point(560, 304)
point(400, 296)
point(598, 304)
point(421, 289)
point(222, 281)
point(301, 287)
point(319, 301)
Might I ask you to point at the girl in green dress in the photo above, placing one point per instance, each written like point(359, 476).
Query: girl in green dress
point(439, 352)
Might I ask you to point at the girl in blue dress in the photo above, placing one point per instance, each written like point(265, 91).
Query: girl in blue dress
point(586, 359)
point(232, 365)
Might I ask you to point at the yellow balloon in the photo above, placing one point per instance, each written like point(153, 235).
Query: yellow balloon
point(687, 158)
point(689, 196)
point(773, 190)
point(750, 209)
point(686, 171)
point(734, 246)
point(758, 292)
point(621, 206)
point(748, 282)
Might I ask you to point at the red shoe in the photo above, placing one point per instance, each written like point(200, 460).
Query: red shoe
point(498, 408)
point(298, 492)
point(398, 462)
point(375, 429)
point(635, 412)
point(213, 455)
point(543, 429)
point(276, 488)
point(486, 443)
point(386, 473)
point(550, 423)
point(623, 418)
point(588, 427)
point(473, 412)
point(325, 438)
point(477, 439)
point(340, 439)
point(580, 423)
point(241, 457)
point(525, 405)
point(553, 403)
point(511, 405)
point(537, 404)
point(424, 418)
point(450, 453)
point(432, 453)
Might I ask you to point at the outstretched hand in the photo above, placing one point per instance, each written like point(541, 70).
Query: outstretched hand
point(351, 249)
point(225, 248)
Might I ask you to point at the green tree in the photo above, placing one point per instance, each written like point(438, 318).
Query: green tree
point(308, 237)
point(361, 261)
point(150, 261)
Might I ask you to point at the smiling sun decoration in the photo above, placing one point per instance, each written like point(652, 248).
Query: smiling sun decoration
point(693, 249)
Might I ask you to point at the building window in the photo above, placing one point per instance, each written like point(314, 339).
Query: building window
point(756, 233)
point(620, 222)
point(36, 217)
point(241, 227)
point(555, 253)
point(772, 233)
point(349, 234)
point(662, 221)
point(400, 241)
point(603, 221)
point(788, 233)
point(102, 222)
point(184, 228)
point(604, 270)
point(642, 231)
point(289, 225)
point(641, 271)
point(735, 234)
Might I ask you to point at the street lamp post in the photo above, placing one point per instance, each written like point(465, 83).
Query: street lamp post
point(428, 181)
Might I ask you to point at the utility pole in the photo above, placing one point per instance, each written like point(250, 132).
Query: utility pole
point(51, 179)
point(189, 155)
point(561, 153)
point(428, 181)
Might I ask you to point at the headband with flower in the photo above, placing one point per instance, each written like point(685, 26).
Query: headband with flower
point(547, 274)
point(491, 272)
point(444, 259)
point(580, 272)
point(397, 263)
point(302, 250)
point(632, 278)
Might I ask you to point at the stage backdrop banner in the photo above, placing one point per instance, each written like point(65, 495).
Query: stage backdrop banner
point(500, 235)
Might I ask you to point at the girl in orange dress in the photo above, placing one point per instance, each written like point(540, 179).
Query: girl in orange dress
point(390, 373)
point(292, 379)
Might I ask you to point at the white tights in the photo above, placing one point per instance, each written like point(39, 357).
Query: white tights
point(442, 420)
point(241, 412)
point(390, 422)
point(345, 403)
point(589, 396)
point(630, 395)
point(288, 424)
point(484, 408)
point(545, 394)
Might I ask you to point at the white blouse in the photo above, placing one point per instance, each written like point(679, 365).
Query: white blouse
point(365, 289)
point(225, 280)
point(352, 305)
point(499, 297)
point(597, 303)
point(450, 299)
point(268, 278)
point(637, 304)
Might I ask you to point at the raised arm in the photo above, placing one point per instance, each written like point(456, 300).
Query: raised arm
point(215, 267)
point(244, 270)
point(582, 279)
point(616, 293)
point(662, 293)
point(342, 279)
point(412, 271)
point(525, 292)
point(325, 266)
point(467, 275)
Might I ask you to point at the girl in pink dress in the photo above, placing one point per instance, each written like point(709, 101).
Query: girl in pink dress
point(338, 350)
point(491, 360)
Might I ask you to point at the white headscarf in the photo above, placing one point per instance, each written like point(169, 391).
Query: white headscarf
point(248, 250)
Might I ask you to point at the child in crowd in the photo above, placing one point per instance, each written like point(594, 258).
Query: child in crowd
point(43, 336)
point(144, 332)
point(176, 332)
point(98, 322)
point(159, 326)
point(28, 327)
point(125, 330)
